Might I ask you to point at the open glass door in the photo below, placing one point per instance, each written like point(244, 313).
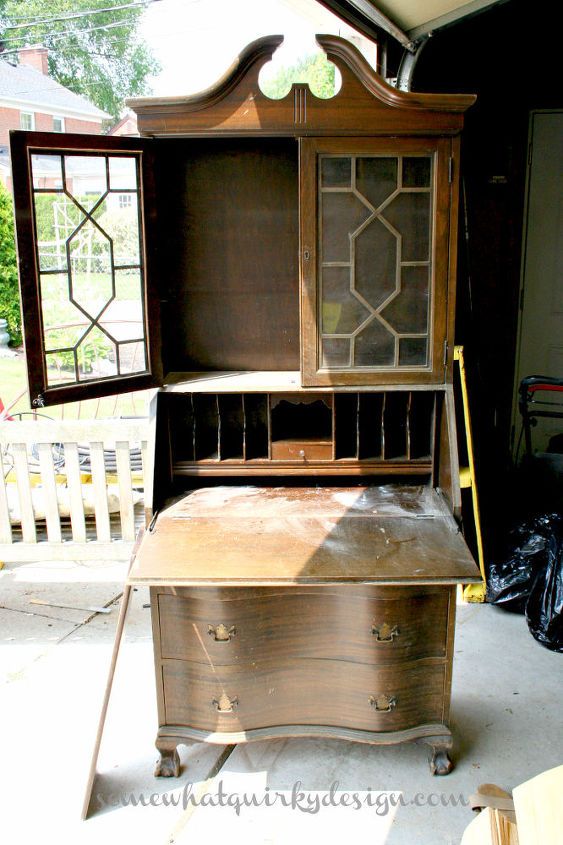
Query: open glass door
point(84, 208)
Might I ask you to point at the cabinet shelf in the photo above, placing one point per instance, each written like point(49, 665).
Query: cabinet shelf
point(267, 468)
point(338, 433)
point(261, 381)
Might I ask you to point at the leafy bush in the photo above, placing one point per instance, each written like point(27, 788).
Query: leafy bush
point(9, 292)
point(315, 69)
point(122, 227)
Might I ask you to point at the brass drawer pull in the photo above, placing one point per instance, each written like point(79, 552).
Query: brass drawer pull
point(385, 633)
point(220, 633)
point(225, 704)
point(383, 703)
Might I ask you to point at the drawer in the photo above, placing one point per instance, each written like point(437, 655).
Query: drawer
point(301, 450)
point(302, 692)
point(226, 626)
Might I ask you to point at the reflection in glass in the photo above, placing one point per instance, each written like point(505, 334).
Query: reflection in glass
point(46, 171)
point(336, 172)
point(335, 352)
point(96, 355)
point(85, 179)
point(342, 214)
point(89, 252)
point(56, 218)
point(374, 346)
point(416, 171)
point(60, 367)
point(342, 311)
point(132, 357)
point(121, 224)
point(91, 269)
point(122, 173)
point(123, 317)
point(376, 178)
point(63, 323)
point(413, 351)
point(409, 213)
point(375, 261)
point(408, 311)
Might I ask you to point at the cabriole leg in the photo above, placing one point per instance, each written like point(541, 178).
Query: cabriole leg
point(440, 761)
point(168, 766)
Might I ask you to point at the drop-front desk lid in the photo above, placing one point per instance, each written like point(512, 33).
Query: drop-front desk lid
point(304, 535)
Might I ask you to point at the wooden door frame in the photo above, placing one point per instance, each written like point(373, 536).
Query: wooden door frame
point(516, 422)
point(442, 285)
point(22, 146)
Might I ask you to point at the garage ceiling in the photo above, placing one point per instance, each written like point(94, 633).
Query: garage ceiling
point(405, 20)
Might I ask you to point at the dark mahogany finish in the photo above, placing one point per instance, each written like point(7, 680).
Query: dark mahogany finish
point(297, 264)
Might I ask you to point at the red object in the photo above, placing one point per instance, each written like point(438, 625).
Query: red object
point(4, 415)
point(534, 387)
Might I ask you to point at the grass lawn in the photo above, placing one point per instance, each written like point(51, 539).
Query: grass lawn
point(13, 381)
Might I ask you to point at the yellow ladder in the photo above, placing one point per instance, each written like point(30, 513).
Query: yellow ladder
point(471, 592)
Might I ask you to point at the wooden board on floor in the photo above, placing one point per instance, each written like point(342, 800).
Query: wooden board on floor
point(539, 808)
point(491, 827)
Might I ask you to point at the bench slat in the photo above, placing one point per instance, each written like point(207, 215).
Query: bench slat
point(72, 469)
point(49, 485)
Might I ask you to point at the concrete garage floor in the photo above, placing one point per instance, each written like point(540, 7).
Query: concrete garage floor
point(506, 718)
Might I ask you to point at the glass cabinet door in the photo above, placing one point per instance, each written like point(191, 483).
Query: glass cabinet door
point(83, 260)
point(374, 243)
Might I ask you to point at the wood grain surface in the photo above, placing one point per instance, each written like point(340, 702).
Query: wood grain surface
point(365, 103)
point(303, 691)
point(300, 535)
point(274, 623)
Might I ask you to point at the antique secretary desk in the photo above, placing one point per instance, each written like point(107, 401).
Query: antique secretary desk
point(284, 271)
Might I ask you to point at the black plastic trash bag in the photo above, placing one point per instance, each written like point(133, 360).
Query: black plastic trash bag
point(511, 580)
point(544, 610)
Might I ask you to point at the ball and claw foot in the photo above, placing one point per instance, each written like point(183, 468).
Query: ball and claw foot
point(440, 763)
point(168, 766)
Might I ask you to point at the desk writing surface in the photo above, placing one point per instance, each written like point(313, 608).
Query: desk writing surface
point(291, 535)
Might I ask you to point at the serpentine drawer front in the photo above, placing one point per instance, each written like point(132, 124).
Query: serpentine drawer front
point(360, 657)
point(302, 692)
point(377, 625)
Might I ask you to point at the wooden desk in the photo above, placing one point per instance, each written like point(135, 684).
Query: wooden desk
point(293, 611)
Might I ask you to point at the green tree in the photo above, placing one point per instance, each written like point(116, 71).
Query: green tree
point(99, 55)
point(316, 70)
point(9, 294)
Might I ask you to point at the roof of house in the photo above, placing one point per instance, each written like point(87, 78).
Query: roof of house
point(128, 122)
point(22, 84)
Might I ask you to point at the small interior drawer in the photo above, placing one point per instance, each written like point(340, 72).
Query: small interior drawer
point(301, 450)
